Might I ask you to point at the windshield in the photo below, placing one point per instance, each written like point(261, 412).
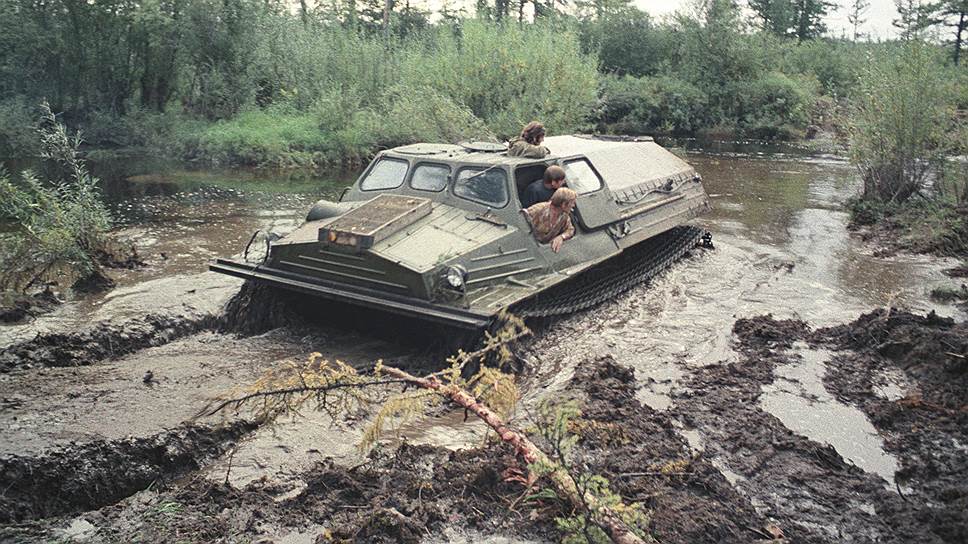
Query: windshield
point(385, 174)
point(581, 178)
point(485, 185)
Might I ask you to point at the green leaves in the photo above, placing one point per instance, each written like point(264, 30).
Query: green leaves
point(62, 223)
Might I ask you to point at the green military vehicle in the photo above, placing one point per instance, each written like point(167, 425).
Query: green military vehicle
point(436, 231)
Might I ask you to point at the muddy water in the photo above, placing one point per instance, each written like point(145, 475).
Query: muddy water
point(781, 248)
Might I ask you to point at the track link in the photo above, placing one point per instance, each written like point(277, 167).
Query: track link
point(616, 276)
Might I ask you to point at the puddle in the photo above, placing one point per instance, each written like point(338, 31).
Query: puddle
point(798, 398)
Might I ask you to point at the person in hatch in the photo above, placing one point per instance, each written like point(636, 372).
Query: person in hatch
point(551, 221)
point(529, 143)
point(541, 190)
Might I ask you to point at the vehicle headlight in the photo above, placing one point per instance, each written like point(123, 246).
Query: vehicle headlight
point(456, 276)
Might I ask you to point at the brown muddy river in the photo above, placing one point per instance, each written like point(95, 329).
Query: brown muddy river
point(782, 248)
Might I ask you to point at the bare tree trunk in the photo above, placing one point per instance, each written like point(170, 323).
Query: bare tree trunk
point(604, 517)
point(387, 9)
point(303, 12)
point(962, 24)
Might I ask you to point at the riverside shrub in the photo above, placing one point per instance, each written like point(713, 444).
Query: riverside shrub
point(62, 224)
point(508, 75)
point(639, 105)
point(901, 122)
point(772, 107)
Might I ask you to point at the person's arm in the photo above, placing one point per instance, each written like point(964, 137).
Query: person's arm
point(569, 231)
point(566, 234)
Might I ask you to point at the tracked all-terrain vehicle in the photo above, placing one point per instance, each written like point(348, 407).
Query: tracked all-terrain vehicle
point(436, 231)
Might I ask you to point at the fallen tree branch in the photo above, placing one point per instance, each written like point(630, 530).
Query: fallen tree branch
point(210, 410)
point(604, 517)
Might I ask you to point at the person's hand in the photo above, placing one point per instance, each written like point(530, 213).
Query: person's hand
point(556, 243)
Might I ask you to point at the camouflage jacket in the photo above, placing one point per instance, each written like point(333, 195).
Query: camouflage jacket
point(546, 223)
point(520, 148)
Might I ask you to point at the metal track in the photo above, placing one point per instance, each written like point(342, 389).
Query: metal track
point(616, 276)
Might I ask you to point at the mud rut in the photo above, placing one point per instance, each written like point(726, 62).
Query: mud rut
point(748, 478)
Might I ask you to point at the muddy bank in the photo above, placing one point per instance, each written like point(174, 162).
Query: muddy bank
point(909, 374)
point(100, 342)
point(84, 477)
point(15, 307)
point(646, 460)
point(808, 487)
point(128, 319)
point(414, 493)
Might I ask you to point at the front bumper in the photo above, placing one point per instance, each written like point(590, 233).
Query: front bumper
point(359, 296)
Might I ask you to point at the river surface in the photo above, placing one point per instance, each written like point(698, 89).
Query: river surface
point(782, 247)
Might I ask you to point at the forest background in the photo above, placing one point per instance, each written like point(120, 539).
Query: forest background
point(270, 83)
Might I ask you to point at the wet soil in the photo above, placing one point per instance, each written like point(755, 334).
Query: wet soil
point(99, 342)
point(960, 271)
point(729, 428)
point(16, 307)
point(925, 422)
point(82, 477)
point(813, 492)
point(647, 460)
point(411, 493)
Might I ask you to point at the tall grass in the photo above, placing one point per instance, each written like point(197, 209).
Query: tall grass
point(62, 224)
point(508, 74)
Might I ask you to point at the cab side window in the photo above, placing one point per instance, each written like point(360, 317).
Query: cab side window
point(385, 174)
point(487, 186)
point(430, 177)
point(581, 178)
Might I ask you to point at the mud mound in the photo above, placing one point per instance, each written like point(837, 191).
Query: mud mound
point(403, 495)
point(105, 340)
point(15, 307)
point(416, 491)
point(926, 424)
point(646, 460)
point(258, 308)
point(929, 347)
point(87, 477)
point(807, 487)
point(765, 332)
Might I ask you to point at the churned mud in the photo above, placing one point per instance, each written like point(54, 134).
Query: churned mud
point(729, 459)
point(78, 478)
point(909, 374)
point(421, 493)
point(15, 308)
point(807, 486)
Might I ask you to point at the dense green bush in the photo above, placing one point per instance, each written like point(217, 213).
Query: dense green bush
point(648, 105)
point(835, 64)
point(337, 129)
point(277, 136)
point(62, 223)
point(423, 114)
point(508, 75)
point(902, 121)
point(772, 106)
point(17, 119)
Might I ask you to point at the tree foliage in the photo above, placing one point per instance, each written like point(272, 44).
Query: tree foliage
point(902, 124)
point(62, 223)
point(800, 19)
